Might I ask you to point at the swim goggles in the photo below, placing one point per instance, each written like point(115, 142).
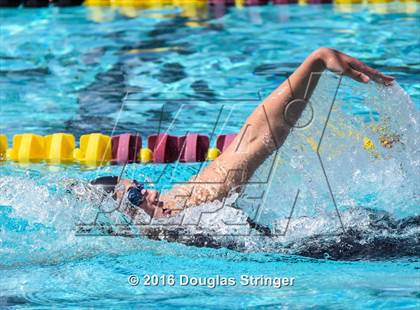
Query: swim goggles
point(109, 183)
point(134, 193)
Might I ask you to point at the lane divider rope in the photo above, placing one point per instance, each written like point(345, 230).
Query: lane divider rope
point(97, 149)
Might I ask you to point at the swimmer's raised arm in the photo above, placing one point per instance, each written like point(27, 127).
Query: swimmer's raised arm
point(268, 126)
point(265, 130)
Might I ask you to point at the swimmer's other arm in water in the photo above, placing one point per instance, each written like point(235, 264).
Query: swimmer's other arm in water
point(264, 131)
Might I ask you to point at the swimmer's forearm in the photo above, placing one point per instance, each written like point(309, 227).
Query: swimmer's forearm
point(266, 128)
point(285, 105)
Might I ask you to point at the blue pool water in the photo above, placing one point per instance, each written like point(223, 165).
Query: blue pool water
point(82, 70)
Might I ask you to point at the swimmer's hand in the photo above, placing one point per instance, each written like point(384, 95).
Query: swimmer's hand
point(338, 62)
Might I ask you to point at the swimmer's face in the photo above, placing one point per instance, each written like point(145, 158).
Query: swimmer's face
point(151, 203)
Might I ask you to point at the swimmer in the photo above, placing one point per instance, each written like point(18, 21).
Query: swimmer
point(264, 131)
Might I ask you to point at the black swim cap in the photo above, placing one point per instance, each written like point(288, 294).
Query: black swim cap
point(107, 183)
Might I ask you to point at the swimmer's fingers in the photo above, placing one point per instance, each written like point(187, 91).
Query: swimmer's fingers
point(356, 75)
point(363, 70)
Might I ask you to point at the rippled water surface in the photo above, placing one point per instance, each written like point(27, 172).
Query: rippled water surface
point(82, 70)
